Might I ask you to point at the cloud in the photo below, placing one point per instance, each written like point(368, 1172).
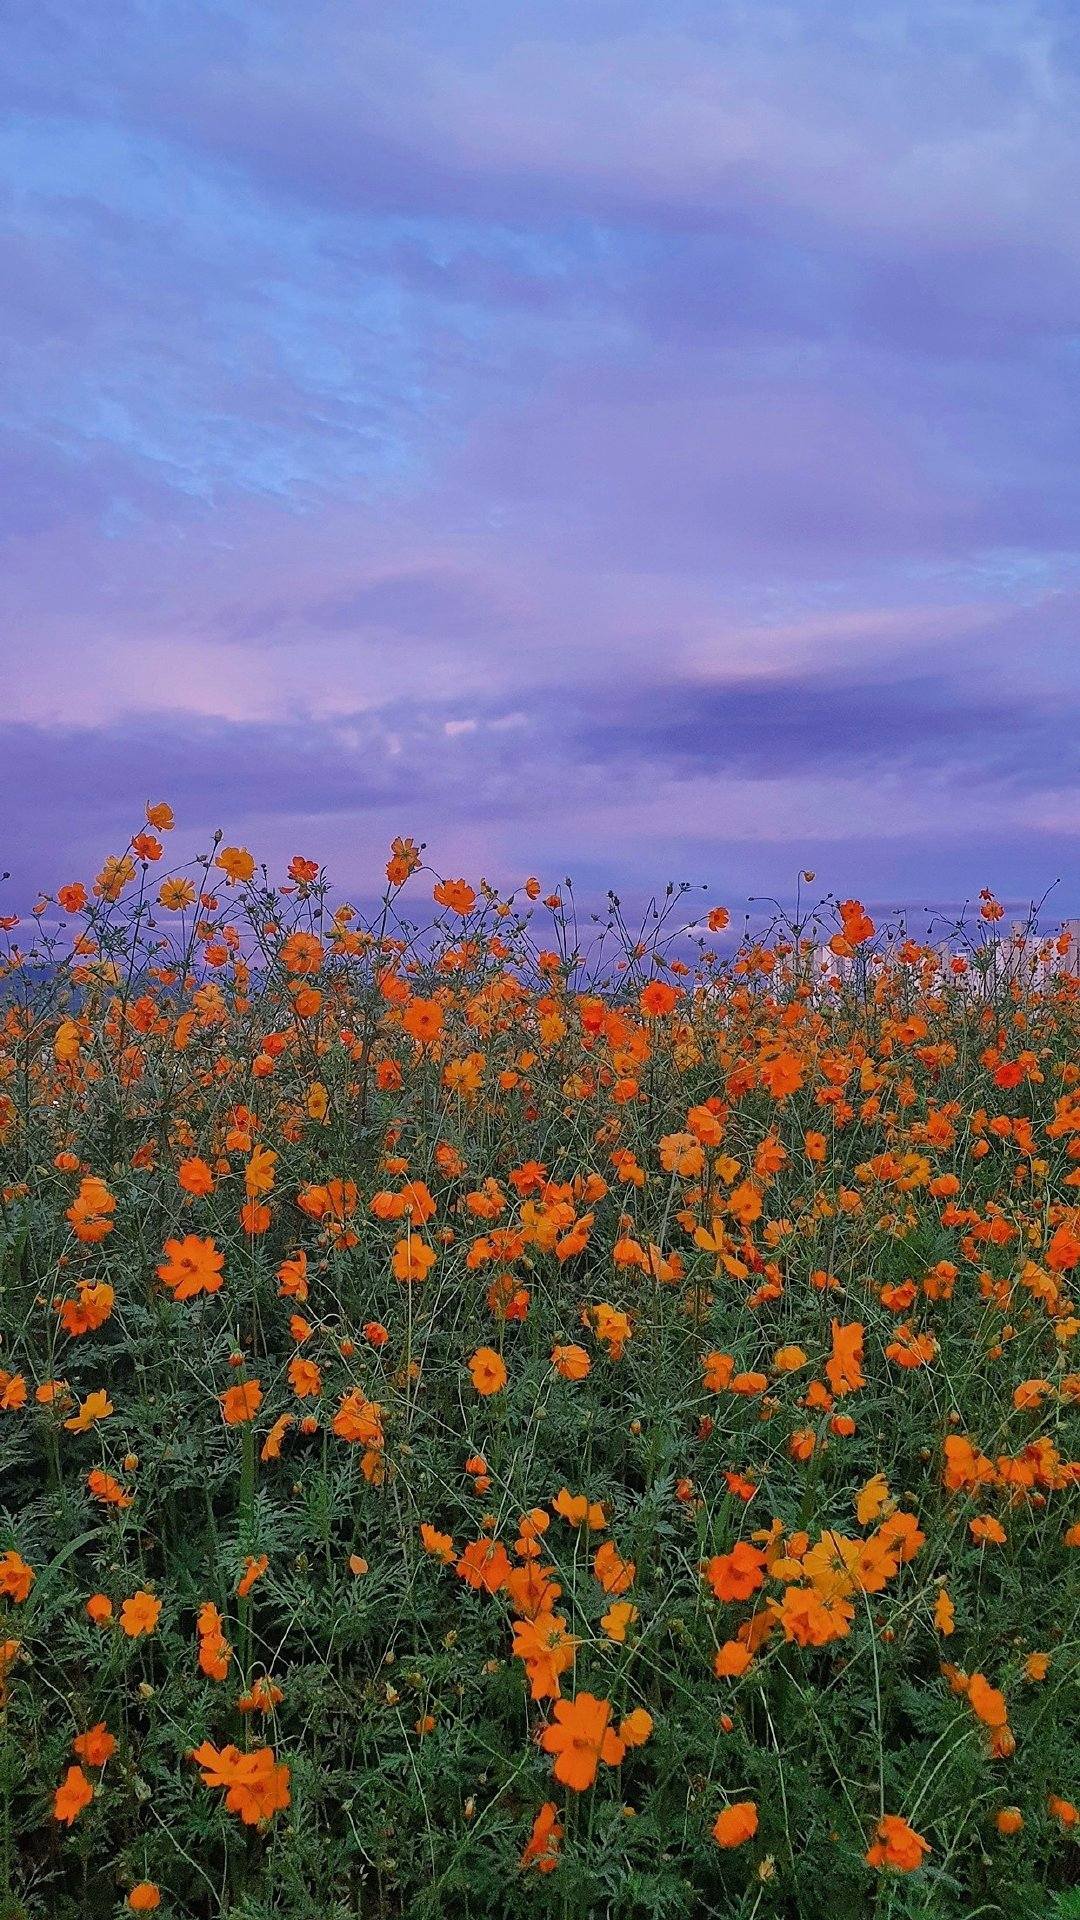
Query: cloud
point(485, 413)
point(907, 120)
point(502, 795)
point(411, 604)
point(782, 726)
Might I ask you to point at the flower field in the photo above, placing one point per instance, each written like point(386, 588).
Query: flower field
point(509, 1414)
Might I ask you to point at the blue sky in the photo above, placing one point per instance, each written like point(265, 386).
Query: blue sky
point(636, 440)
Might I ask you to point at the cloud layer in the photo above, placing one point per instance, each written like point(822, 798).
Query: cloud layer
point(621, 438)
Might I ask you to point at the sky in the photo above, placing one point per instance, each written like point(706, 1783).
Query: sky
point(632, 439)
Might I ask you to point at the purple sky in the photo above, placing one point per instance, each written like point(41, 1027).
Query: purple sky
point(633, 438)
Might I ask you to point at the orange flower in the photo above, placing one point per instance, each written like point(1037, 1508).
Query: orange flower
point(96, 1746)
point(547, 1650)
point(96, 1406)
point(254, 1568)
point(745, 1203)
point(259, 1172)
point(71, 1796)
point(736, 1823)
point(439, 1545)
point(305, 1378)
point(658, 999)
point(404, 860)
point(90, 1310)
point(571, 1362)
point(810, 1620)
point(872, 1500)
point(857, 924)
point(617, 1619)
point(317, 1201)
point(578, 1510)
point(89, 1211)
point(195, 1177)
point(580, 1737)
point(964, 1466)
point(531, 1528)
point(192, 1266)
point(1063, 1248)
point(359, 1420)
point(302, 953)
point(731, 1660)
point(1030, 1394)
point(263, 1697)
point(612, 1328)
point(99, 1609)
point(484, 1566)
point(911, 1349)
point(114, 877)
point(719, 1368)
point(16, 1578)
point(944, 1613)
point(455, 894)
point(139, 1614)
point(636, 1728)
point(681, 1153)
point(423, 1020)
point(896, 1845)
point(987, 1702)
point(844, 1367)
point(271, 1446)
point(292, 1277)
point(531, 1589)
point(240, 1404)
point(255, 1217)
point(236, 863)
point(488, 1372)
point(175, 895)
point(782, 1075)
point(987, 1531)
point(9, 1653)
point(214, 1650)
point(412, 1259)
point(145, 1897)
point(256, 1785)
point(613, 1572)
point(104, 1487)
point(542, 1847)
point(789, 1359)
point(738, 1574)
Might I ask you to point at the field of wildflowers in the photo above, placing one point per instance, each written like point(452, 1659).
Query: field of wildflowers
point(507, 1417)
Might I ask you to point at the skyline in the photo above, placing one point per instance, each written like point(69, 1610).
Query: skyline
point(633, 442)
